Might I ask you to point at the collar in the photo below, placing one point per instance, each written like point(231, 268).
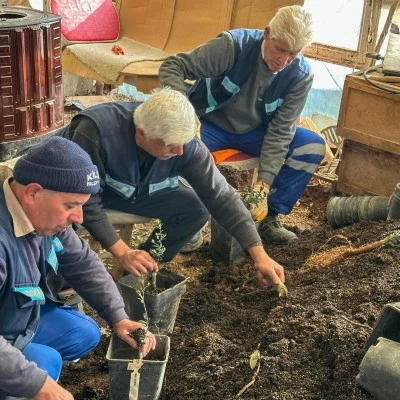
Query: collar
point(22, 224)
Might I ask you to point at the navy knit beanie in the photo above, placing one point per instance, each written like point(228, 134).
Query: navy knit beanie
point(60, 165)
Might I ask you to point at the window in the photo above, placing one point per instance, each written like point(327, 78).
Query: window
point(347, 29)
point(337, 23)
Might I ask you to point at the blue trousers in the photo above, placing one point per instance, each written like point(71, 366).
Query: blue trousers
point(63, 334)
point(306, 151)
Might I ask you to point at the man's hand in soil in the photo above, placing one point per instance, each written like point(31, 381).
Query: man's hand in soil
point(268, 270)
point(136, 262)
point(51, 390)
point(124, 326)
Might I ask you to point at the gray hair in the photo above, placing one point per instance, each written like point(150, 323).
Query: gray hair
point(293, 24)
point(168, 115)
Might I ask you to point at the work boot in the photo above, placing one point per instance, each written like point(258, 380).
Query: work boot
point(70, 298)
point(272, 231)
point(194, 243)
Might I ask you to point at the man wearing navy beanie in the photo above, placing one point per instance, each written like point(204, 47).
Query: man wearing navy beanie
point(58, 165)
point(38, 251)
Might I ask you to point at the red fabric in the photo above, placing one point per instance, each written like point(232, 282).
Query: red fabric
point(87, 20)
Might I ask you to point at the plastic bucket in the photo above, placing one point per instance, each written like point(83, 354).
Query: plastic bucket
point(394, 204)
point(161, 307)
point(120, 354)
point(379, 370)
point(224, 247)
point(387, 325)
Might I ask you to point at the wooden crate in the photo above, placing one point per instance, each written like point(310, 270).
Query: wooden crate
point(369, 115)
point(367, 170)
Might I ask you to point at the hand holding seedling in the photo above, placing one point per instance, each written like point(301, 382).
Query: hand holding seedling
point(269, 272)
point(255, 200)
point(137, 262)
point(124, 328)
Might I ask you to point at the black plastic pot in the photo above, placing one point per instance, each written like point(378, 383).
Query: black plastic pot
point(379, 370)
point(121, 356)
point(387, 325)
point(161, 307)
point(224, 247)
point(394, 204)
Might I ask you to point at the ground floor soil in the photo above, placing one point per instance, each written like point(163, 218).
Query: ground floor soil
point(311, 342)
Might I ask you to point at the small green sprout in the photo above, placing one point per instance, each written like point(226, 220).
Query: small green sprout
point(254, 197)
point(157, 250)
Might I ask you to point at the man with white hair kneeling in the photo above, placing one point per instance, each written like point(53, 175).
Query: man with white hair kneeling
point(152, 163)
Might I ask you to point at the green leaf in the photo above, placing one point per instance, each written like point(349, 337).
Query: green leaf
point(158, 249)
point(254, 359)
point(393, 239)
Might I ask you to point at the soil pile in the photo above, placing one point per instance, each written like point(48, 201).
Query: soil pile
point(310, 342)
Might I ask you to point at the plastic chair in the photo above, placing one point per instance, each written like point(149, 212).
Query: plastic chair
point(331, 137)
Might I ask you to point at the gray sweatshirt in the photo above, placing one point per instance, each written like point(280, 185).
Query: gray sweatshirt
point(243, 113)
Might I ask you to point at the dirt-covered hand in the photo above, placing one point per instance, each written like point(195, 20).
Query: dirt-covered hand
point(269, 272)
point(137, 262)
point(259, 210)
point(123, 329)
point(51, 390)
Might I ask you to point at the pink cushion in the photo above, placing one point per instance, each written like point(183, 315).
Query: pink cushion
point(87, 20)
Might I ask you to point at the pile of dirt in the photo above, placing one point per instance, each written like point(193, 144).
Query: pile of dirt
point(310, 342)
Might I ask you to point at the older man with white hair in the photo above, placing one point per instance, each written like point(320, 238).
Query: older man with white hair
point(152, 163)
point(251, 86)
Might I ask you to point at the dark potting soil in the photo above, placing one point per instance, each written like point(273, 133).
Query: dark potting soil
point(310, 343)
point(139, 335)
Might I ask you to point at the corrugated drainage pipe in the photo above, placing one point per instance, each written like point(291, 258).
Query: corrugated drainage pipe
point(343, 211)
